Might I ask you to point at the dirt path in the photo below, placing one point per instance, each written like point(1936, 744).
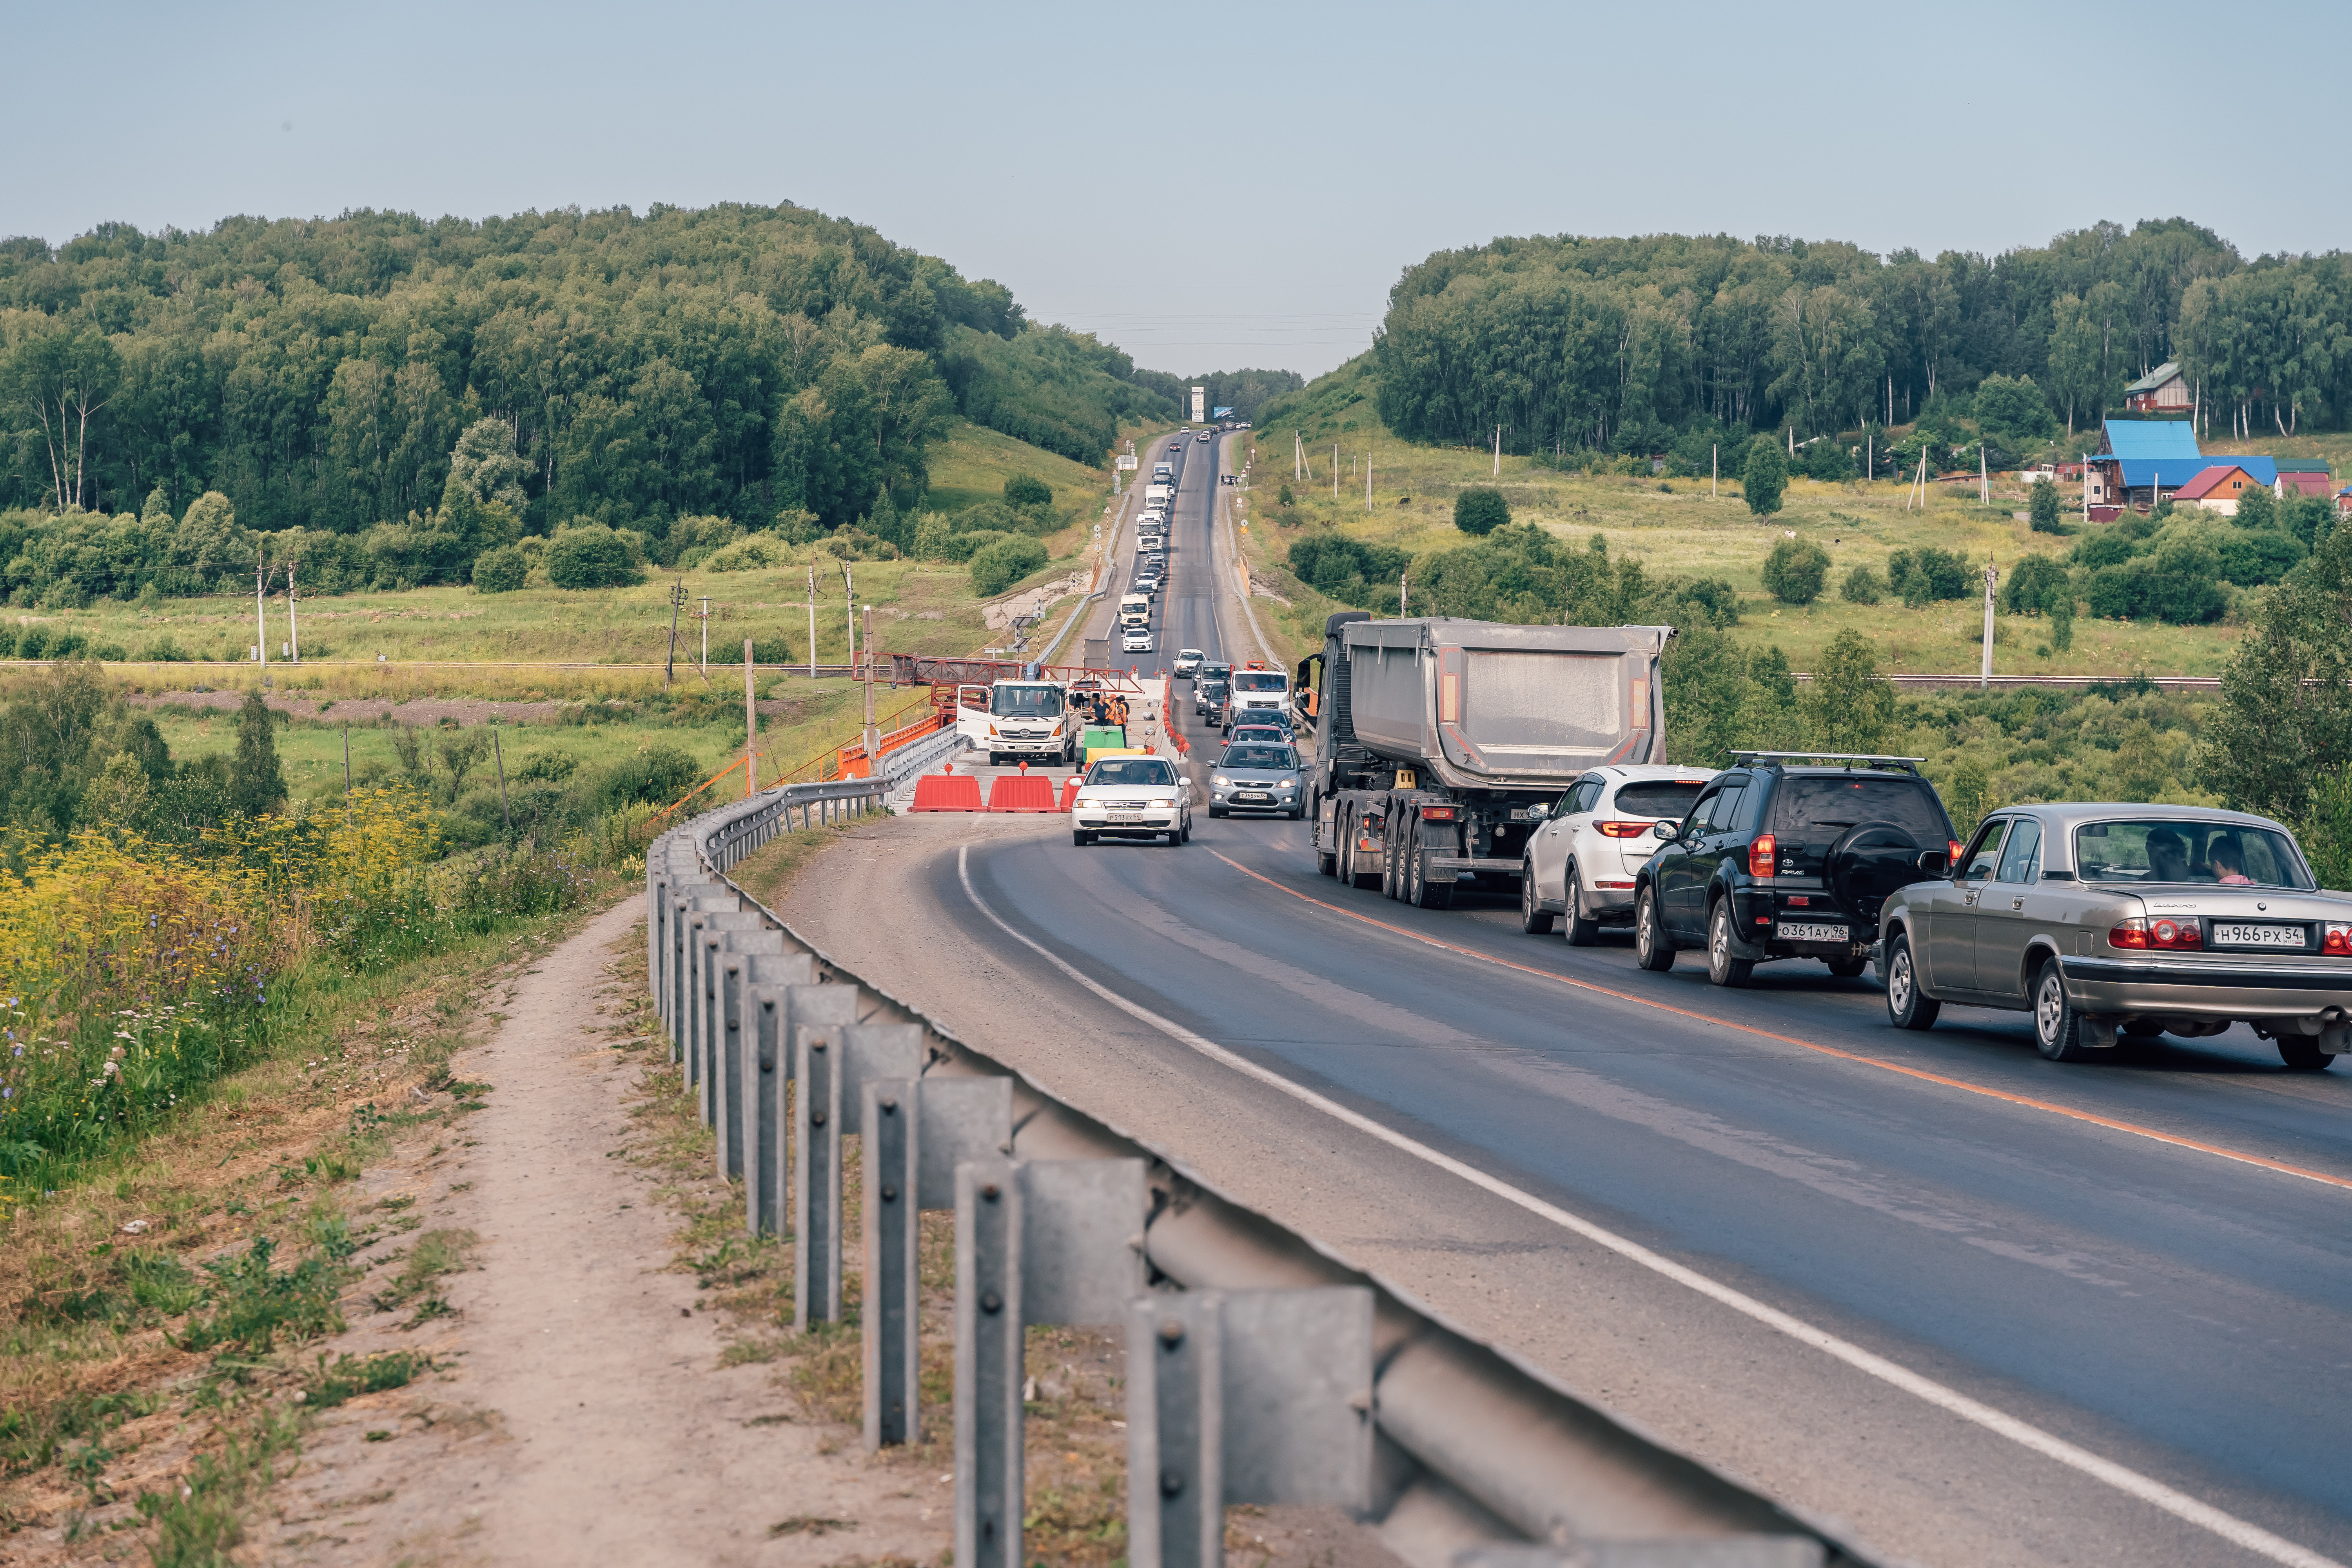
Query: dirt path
point(585, 1414)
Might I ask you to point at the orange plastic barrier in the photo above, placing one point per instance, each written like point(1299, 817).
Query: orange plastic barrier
point(947, 792)
point(1069, 792)
point(1022, 792)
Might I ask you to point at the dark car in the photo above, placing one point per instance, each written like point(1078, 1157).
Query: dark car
point(1209, 691)
point(1789, 856)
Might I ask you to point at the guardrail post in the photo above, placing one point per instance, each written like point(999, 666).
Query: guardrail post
point(704, 1039)
point(820, 1014)
point(725, 1060)
point(1054, 1241)
point(756, 962)
point(1260, 1396)
point(890, 1113)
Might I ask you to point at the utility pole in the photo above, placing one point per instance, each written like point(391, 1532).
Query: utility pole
point(1335, 470)
point(677, 600)
point(1984, 681)
point(706, 635)
point(260, 615)
point(1404, 593)
point(812, 610)
point(1498, 452)
point(293, 632)
point(849, 609)
point(347, 774)
point(872, 735)
point(1368, 481)
point(1984, 479)
point(1714, 469)
point(750, 729)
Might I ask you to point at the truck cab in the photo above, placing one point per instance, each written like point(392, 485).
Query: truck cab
point(1258, 691)
point(1018, 720)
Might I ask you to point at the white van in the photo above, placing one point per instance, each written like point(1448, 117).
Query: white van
point(1135, 610)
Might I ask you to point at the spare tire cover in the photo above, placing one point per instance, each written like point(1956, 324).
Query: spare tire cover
point(1870, 860)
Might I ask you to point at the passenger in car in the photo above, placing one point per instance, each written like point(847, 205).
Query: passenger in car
point(2168, 856)
point(2229, 863)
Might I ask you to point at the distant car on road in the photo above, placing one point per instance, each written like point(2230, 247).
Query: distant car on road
point(1132, 797)
point(1147, 582)
point(1208, 689)
point(1135, 639)
point(1257, 734)
point(1257, 778)
point(2106, 920)
point(1584, 850)
point(1188, 661)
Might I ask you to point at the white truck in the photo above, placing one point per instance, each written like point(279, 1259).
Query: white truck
point(1018, 720)
point(1163, 473)
point(1159, 496)
point(1256, 690)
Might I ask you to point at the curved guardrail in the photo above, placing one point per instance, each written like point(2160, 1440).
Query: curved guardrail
point(1334, 1387)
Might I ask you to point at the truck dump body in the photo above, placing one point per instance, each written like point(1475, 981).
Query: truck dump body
point(1485, 705)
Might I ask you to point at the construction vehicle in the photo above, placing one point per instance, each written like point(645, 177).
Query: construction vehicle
point(1433, 737)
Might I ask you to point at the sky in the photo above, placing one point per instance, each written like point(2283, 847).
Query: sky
point(1210, 188)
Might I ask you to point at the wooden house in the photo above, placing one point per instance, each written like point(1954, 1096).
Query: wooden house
point(2161, 390)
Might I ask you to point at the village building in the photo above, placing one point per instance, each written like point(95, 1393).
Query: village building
point(2139, 461)
point(2303, 477)
point(2163, 389)
point(2217, 489)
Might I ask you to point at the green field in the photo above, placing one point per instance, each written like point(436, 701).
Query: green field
point(1675, 526)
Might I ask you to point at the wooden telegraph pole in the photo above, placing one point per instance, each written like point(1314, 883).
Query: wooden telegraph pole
point(750, 729)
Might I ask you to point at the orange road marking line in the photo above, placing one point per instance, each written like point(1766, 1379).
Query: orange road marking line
point(2111, 1123)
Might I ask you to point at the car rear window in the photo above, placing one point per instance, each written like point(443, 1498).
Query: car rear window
point(2163, 851)
point(1658, 797)
point(1816, 809)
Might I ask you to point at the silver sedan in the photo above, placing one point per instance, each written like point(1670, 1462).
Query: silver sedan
point(1132, 797)
point(2108, 920)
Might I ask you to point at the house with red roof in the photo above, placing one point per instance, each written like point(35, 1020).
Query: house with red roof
point(2303, 477)
point(2217, 489)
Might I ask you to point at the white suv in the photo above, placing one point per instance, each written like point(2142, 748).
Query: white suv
point(1583, 850)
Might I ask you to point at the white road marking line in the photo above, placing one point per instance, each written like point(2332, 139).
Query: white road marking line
point(2147, 1489)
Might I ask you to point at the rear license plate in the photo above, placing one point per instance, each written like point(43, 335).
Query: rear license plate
point(1124, 817)
point(2238, 933)
point(1800, 930)
point(1250, 794)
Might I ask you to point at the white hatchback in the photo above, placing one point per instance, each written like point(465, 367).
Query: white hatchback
point(1135, 639)
point(1584, 849)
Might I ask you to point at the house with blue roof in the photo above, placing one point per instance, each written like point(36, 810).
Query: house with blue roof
point(2139, 461)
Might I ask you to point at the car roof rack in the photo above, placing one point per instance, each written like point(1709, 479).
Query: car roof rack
point(1851, 759)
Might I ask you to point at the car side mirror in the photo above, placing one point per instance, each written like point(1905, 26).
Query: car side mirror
point(1934, 862)
point(1184, 779)
point(1667, 830)
point(1538, 812)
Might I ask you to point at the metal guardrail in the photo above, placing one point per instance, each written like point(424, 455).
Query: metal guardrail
point(1260, 1367)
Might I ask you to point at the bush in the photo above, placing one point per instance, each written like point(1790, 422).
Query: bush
point(163, 650)
point(964, 546)
point(1342, 567)
point(546, 768)
point(2178, 584)
point(2043, 507)
point(1863, 586)
point(590, 556)
point(2104, 548)
point(1795, 571)
point(1020, 491)
point(2034, 585)
point(1829, 461)
point(2257, 508)
point(1004, 563)
point(500, 571)
point(764, 650)
point(1764, 477)
point(1481, 510)
point(655, 776)
point(2250, 557)
point(1944, 574)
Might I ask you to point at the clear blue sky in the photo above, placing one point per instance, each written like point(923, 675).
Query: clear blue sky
point(1208, 188)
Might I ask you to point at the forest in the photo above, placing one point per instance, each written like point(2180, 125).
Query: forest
point(1571, 343)
point(738, 362)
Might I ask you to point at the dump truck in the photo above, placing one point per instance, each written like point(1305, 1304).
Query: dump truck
point(1433, 737)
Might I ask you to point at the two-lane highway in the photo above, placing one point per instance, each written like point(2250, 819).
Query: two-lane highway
point(1988, 1308)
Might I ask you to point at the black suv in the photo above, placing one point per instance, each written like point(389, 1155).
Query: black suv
point(1788, 855)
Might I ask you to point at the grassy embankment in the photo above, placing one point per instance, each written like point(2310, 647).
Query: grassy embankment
point(1674, 526)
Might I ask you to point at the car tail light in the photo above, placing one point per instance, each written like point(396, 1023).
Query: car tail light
point(2169, 934)
point(1437, 814)
point(2336, 939)
point(1622, 829)
point(1763, 855)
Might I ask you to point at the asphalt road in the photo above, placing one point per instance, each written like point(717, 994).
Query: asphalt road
point(2147, 1259)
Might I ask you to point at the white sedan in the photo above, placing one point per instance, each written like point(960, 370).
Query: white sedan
point(1188, 661)
point(1135, 639)
point(1132, 797)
